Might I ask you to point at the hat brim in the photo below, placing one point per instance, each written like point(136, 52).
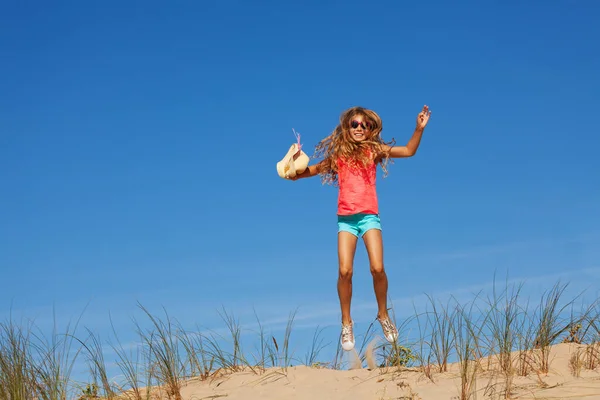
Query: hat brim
point(294, 163)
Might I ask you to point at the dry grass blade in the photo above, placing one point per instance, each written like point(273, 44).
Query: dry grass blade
point(285, 356)
point(95, 357)
point(163, 347)
point(549, 324)
point(576, 363)
point(441, 339)
point(424, 354)
point(53, 362)
point(316, 346)
point(525, 339)
point(466, 336)
point(584, 327)
point(237, 361)
point(265, 348)
point(591, 359)
point(234, 360)
point(503, 324)
point(16, 380)
point(133, 366)
point(200, 363)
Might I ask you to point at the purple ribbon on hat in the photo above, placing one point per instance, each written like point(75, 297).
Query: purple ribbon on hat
point(297, 138)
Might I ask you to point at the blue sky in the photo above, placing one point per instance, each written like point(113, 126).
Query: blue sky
point(138, 143)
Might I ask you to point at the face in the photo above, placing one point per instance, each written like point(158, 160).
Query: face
point(360, 128)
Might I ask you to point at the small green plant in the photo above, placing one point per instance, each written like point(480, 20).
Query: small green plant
point(398, 356)
point(89, 392)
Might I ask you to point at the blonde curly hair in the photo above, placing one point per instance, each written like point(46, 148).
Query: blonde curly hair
point(339, 144)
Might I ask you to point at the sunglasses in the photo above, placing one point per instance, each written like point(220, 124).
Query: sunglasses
point(365, 124)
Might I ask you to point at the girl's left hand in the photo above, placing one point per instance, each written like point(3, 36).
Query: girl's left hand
point(423, 117)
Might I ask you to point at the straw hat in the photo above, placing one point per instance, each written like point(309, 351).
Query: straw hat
point(295, 161)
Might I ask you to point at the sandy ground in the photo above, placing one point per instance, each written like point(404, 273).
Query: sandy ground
point(302, 382)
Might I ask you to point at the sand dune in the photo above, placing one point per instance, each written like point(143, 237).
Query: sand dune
point(563, 381)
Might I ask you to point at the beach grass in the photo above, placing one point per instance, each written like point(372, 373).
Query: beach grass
point(501, 335)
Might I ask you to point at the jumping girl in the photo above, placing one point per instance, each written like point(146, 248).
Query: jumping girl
point(350, 158)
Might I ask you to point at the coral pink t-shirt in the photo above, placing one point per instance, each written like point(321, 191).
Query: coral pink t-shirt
point(357, 192)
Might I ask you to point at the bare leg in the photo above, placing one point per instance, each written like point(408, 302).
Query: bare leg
point(374, 244)
point(346, 250)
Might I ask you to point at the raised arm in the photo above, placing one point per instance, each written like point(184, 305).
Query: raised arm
point(413, 144)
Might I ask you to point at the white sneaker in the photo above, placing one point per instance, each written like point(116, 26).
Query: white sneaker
point(389, 330)
point(348, 336)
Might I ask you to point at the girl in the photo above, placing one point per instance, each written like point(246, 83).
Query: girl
point(350, 158)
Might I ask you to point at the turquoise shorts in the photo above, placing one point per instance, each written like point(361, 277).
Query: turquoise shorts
point(358, 224)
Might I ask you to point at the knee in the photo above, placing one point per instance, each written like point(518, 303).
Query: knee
point(345, 272)
point(377, 269)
